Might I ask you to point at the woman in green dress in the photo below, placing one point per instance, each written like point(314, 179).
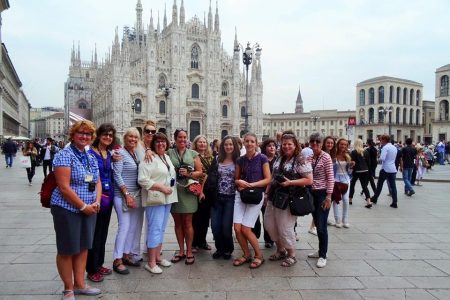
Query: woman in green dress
point(188, 167)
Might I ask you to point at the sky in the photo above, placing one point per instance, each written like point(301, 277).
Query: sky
point(322, 47)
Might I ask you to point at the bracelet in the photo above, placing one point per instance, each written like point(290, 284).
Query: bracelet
point(84, 207)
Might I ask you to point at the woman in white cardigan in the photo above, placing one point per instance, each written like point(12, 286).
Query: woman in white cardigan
point(157, 179)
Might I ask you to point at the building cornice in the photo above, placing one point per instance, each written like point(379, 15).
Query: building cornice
point(382, 79)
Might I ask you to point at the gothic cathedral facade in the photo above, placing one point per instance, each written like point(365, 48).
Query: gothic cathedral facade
point(178, 76)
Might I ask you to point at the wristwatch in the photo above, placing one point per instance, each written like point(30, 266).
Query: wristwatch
point(127, 193)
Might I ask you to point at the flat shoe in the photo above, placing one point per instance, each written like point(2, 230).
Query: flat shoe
point(189, 260)
point(164, 263)
point(154, 270)
point(368, 206)
point(88, 291)
point(67, 293)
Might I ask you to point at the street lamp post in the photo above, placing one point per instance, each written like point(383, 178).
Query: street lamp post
point(385, 110)
point(247, 57)
point(167, 90)
point(315, 118)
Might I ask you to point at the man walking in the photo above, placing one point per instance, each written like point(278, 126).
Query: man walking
point(407, 156)
point(9, 149)
point(388, 170)
point(47, 153)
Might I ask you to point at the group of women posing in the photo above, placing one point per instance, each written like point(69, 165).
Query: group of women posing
point(148, 176)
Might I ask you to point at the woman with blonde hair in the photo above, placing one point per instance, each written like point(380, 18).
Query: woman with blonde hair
point(360, 164)
point(421, 163)
point(342, 178)
point(200, 219)
point(127, 203)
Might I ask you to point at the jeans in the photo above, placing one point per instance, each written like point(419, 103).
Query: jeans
point(9, 159)
point(96, 255)
point(407, 174)
point(47, 163)
point(363, 179)
point(390, 177)
point(441, 158)
point(31, 172)
point(222, 223)
point(320, 217)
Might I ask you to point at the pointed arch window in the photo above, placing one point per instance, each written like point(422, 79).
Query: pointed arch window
point(225, 111)
point(195, 91)
point(242, 111)
point(224, 88)
point(82, 105)
point(162, 81)
point(195, 56)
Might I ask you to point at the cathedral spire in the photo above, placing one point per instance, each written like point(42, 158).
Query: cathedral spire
point(236, 43)
point(210, 18)
point(174, 14)
point(151, 28)
point(95, 55)
point(182, 14)
point(299, 103)
point(158, 28)
point(78, 54)
point(72, 55)
point(165, 18)
point(139, 17)
point(216, 18)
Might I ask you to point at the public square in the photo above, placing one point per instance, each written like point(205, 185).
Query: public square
point(387, 253)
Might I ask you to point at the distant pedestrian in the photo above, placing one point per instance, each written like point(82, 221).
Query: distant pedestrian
point(407, 156)
point(441, 152)
point(31, 151)
point(47, 154)
point(388, 170)
point(9, 149)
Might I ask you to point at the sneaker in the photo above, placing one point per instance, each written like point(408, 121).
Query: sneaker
point(314, 255)
point(411, 193)
point(30, 184)
point(394, 205)
point(338, 225)
point(87, 291)
point(296, 237)
point(346, 225)
point(313, 231)
point(331, 223)
point(321, 262)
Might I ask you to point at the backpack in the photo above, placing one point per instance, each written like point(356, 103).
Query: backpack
point(47, 188)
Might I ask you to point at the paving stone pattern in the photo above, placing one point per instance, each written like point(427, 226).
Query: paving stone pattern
point(387, 253)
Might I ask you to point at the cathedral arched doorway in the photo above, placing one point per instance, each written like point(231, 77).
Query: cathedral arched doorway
point(194, 129)
point(224, 133)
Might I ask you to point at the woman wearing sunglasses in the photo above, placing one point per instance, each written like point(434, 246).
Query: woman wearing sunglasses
point(147, 136)
point(322, 188)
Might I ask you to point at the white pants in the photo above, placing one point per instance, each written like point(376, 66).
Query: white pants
point(344, 203)
point(246, 214)
point(129, 229)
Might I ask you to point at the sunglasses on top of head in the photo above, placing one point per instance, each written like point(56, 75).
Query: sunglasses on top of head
point(314, 142)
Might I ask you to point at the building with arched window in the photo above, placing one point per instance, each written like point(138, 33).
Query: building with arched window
point(180, 72)
point(441, 123)
point(398, 113)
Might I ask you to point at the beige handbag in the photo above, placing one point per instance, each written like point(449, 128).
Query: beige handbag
point(155, 198)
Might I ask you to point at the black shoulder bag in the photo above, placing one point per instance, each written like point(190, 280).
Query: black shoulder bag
point(301, 202)
point(251, 195)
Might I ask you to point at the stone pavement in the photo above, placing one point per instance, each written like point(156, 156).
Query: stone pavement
point(387, 253)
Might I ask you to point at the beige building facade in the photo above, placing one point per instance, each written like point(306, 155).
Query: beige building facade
point(51, 126)
point(389, 105)
point(441, 124)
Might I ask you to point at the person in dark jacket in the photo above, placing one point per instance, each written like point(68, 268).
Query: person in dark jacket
point(360, 163)
point(9, 148)
point(373, 158)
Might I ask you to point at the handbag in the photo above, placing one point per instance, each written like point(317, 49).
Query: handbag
point(154, 198)
point(339, 189)
point(25, 162)
point(302, 203)
point(252, 195)
point(280, 199)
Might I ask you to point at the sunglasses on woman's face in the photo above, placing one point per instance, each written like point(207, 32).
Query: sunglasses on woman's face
point(149, 131)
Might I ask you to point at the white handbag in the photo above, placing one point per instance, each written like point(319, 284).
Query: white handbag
point(154, 198)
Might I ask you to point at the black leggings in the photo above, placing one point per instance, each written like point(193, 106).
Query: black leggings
point(364, 179)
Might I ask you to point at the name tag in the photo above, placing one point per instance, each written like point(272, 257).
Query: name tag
point(88, 178)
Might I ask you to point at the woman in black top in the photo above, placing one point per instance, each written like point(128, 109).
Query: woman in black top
point(360, 164)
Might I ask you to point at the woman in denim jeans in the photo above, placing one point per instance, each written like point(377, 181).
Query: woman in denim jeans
point(322, 188)
point(223, 206)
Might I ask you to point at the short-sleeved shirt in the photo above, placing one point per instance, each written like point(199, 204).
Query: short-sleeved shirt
point(80, 164)
point(408, 155)
point(252, 169)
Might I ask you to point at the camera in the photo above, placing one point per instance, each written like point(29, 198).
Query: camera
point(91, 186)
point(279, 178)
point(184, 166)
point(172, 182)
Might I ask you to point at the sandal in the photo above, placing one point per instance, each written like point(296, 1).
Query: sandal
point(120, 268)
point(130, 261)
point(289, 261)
point(95, 277)
point(105, 271)
point(177, 257)
point(257, 262)
point(278, 255)
point(242, 260)
point(190, 260)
